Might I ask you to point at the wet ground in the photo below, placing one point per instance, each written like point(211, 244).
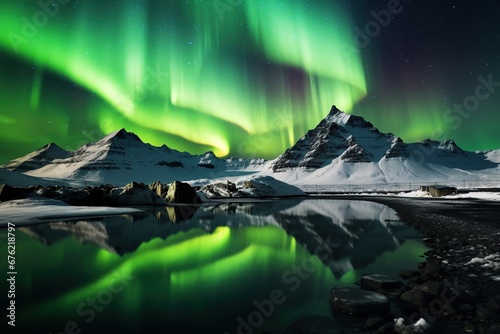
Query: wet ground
point(457, 231)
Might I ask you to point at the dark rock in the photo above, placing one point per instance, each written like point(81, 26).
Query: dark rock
point(494, 329)
point(433, 288)
point(138, 194)
point(432, 269)
point(494, 303)
point(375, 322)
point(315, 324)
point(231, 187)
point(467, 307)
point(95, 196)
point(378, 282)
point(180, 192)
point(413, 299)
point(8, 193)
point(172, 164)
point(358, 302)
point(408, 274)
point(205, 165)
point(452, 309)
point(159, 188)
point(386, 329)
point(485, 313)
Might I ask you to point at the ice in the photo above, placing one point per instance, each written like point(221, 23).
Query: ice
point(35, 210)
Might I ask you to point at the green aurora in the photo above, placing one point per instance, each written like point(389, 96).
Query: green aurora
point(240, 78)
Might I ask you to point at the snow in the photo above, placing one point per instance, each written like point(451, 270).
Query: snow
point(416, 193)
point(250, 186)
point(35, 210)
point(421, 326)
point(489, 196)
point(484, 195)
point(265, 186)
point(21, 180)
point(491, 261)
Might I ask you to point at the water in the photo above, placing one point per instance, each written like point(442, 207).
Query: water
point(236, 266)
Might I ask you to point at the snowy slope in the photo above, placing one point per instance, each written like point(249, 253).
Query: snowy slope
point(119, 158)
point(346, 149)
point(18, 179)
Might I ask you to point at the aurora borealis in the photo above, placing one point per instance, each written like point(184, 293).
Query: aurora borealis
point(243, 78)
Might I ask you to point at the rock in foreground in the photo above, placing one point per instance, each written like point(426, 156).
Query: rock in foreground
point(180, 192)
point(376, 282)
point(358, 302)
point(255, 186)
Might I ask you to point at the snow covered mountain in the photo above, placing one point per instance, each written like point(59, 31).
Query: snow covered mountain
point(118, 158)
point(342, 149)
point(347, 149)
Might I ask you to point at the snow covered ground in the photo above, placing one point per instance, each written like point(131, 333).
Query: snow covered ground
point(36, 210)
point(484, 195)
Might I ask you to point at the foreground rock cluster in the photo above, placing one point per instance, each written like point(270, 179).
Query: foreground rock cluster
point(457, 288)
point(421, 301)
point(133, 194)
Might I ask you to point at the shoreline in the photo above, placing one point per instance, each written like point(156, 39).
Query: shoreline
point(460, 235)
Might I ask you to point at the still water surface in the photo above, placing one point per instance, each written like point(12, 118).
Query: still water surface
point(173, 270)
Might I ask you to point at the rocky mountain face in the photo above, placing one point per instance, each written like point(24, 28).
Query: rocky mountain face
point(350, 139)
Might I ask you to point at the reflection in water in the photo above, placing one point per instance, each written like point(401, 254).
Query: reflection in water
point(208, 268)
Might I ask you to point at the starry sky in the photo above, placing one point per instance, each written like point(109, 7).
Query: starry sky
point(245, 78)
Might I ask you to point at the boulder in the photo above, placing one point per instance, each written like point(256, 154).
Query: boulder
point(433, 269)
point(413, 299)
point(8, 193)
point(494, 303)
point(376, 282)
point(358, 302)
point(180, 192)
point(95, 196)
point(138, 194)
point(159, 188)
point(315, 324)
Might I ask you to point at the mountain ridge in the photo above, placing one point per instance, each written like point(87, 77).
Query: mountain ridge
point(341, 149)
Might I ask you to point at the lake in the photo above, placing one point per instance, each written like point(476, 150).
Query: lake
point(235, 267)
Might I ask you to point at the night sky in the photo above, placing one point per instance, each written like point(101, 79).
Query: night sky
point(245, 78)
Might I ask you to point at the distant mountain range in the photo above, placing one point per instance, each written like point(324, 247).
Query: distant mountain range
point(348, 149)
point(342, 149)
point(121, 157)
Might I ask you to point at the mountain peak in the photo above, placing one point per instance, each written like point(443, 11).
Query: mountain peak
point(122, 134)
point(337, 116)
